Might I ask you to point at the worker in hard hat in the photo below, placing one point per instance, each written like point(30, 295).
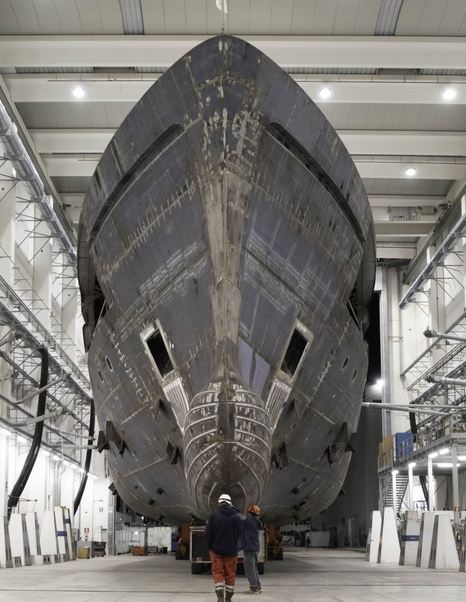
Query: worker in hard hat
point(222, 533)
point(250, 539)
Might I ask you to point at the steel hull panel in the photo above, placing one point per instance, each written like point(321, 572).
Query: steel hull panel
point(226, 232)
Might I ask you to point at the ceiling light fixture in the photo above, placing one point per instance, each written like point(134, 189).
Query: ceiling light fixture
point(79, 92)
point(444, 451)
point(411, 464)
point(325, 93)
point(449, 94)
point(410, 172)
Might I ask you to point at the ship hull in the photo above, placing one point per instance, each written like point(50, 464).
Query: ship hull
point(224, 233)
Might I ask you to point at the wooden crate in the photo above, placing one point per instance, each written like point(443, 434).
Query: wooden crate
point(84, 553)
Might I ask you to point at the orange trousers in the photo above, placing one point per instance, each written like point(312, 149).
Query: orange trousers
point(223, 570)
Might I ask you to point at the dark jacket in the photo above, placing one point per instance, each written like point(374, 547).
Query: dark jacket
point(250, 533)
point(222, 531)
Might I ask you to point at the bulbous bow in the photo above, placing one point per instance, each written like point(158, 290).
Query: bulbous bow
point(227, 445)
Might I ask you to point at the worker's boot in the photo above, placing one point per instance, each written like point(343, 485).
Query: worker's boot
point(228, 596)
point(219, 593)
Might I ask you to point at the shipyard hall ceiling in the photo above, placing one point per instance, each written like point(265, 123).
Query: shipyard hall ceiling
point(388, 74)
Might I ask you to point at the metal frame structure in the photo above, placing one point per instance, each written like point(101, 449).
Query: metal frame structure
point(436, 379)
point(23, 333)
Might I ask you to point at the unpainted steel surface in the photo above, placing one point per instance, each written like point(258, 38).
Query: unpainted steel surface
point(226, 261)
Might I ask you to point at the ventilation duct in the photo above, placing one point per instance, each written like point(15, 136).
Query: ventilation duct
point(387, 18)
point(27, 173)
point(31, 70)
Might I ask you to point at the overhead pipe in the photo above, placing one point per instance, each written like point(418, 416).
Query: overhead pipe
point(432, 334)
point(30, 421)
point(395, 408)
point(444, 380)
point(27, 173)
point(20, 484)
point(34, 393)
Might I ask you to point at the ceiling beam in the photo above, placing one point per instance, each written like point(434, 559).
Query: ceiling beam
point(76, 199)
point(383, 215)
point(403, 52)
point(399, 200)
point(73, 140)
point(129, 87)
point(403, 229)
point(414, 143)
point(395, 250)
point(358, 142)
point(394, 167)
point(70, 166)
point(372, 167)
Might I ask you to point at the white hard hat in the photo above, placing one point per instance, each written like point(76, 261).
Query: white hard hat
point(224, 499)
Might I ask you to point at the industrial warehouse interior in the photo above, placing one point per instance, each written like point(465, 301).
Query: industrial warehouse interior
point(232, 300)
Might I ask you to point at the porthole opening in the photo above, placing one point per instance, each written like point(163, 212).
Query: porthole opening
point(345, 363)
point(109, 363)
point(159, 353)
point(100, 374)
point(294, 353)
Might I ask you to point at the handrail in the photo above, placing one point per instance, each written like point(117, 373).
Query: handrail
point(434, 343)
point(425, 274)
point(48, 339)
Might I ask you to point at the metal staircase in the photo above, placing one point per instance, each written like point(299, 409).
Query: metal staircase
point(401, 486)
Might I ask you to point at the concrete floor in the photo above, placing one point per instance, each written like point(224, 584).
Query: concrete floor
point(314, 575)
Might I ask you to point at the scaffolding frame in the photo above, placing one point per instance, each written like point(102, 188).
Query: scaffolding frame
point(23, 334)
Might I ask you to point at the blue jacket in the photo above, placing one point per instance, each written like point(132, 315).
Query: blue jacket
point(250, 533)
point(223, 530)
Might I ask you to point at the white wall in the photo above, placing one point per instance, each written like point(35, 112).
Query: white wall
point(31, 263)
point(93, 513)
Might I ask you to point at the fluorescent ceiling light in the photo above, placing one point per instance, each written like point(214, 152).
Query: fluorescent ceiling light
point(412, 464)
point(444, 451)
point(433, 455)
point(325, 93)
point(410, 172)
point(395, 472)
point(449, 94)
point(462, 458)
point(446, 464)
point(78, 92)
